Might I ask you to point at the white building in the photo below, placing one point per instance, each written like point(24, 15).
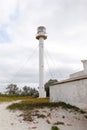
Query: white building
point(72, 90)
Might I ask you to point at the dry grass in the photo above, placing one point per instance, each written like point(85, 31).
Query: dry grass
point(9, 98)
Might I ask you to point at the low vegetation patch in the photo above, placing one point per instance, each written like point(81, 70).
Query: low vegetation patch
point(54, 128)
point(30, 115)
point(32, 103)
point(9, 98)
point(59, 123)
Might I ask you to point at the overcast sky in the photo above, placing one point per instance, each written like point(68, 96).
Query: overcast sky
point(66, 46)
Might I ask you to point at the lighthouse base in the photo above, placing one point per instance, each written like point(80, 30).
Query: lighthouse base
point(42, 94)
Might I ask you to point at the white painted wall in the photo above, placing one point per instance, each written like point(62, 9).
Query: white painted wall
point(84, 65)
point(74, 92)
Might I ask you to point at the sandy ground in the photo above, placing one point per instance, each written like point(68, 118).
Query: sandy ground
point(71, 120)
point(11, 120)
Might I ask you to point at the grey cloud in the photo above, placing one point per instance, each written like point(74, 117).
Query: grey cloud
point(58, 73)
point(66, 23)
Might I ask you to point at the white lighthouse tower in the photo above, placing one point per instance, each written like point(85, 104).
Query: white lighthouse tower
point(41, 36)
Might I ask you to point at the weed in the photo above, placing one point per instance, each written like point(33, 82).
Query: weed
point(48, 121)
point(59, 123)
point(54, 128)
point(85, 116)
point(40, 115)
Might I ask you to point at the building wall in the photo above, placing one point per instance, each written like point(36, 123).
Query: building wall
point(74, 92)
point(84, 65)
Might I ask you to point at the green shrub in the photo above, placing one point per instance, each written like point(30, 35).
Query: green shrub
point(54, 128)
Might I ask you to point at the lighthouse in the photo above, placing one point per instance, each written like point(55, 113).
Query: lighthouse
point(41, 36)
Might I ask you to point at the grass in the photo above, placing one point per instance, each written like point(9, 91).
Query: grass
point(9, 98)
point(54, 128)
point(32, 103)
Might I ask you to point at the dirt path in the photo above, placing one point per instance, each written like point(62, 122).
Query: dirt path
point(9, 120)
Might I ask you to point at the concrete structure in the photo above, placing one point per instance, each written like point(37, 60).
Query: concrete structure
point(41, 36)
point(72, 90)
